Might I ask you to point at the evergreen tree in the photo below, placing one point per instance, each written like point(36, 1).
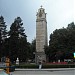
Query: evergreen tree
point(3, 36)
point(17, 41)
point(3, 30)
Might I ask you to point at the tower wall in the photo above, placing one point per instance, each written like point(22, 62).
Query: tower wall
point(41, 36)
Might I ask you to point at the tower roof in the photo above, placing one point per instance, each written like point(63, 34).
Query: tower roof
point(41, 7)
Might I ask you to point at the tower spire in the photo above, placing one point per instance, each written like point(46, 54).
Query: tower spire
point(41, 6)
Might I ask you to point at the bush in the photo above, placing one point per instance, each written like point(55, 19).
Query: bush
point(27, 66)
point(34, 66)
point(59, 66)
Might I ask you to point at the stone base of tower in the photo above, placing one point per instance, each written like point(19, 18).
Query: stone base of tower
point(40, 57)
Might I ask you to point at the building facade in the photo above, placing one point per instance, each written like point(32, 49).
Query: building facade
point(41, 35)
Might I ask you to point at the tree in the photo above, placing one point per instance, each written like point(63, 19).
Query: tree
point(3, 28)
point(3, 36)
point(62, 43)
point(17, 41)
point(33, 49)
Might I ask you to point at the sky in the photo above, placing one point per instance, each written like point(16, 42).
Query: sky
point(60, 13)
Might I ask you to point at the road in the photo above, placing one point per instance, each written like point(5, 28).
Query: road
point(63, 72)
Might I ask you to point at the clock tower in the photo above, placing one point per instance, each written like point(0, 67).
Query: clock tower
point(41, 35)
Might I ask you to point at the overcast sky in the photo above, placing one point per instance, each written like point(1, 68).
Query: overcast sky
point(59, 14)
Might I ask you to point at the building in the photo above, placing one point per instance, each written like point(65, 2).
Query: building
point(41, 35)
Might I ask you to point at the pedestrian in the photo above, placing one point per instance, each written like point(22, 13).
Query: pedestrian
point(40, 65)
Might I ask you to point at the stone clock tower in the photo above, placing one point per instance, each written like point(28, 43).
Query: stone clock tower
point(41, 35)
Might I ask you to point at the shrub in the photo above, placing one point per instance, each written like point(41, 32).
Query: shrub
point(46, 66)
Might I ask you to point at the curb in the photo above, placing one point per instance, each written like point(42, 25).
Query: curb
point(56, 69)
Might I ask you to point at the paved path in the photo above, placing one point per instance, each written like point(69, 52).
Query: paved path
point(44, 72)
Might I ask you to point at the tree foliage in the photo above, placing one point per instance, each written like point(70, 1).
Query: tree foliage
point(14, 43)
point(17, 41)
point(33, 48)
point(3, 36)
point(62, 43)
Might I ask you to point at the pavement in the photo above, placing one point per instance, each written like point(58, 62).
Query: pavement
point(51, 71)
point(54, 71)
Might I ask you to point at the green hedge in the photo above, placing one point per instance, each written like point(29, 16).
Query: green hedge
point(46, 66)
point(27, 66)
point(59, 66)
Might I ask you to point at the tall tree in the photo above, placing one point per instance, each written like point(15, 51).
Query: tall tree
point(3, 36)
point(3, 28)
point(62, 43)
point(17, 40)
